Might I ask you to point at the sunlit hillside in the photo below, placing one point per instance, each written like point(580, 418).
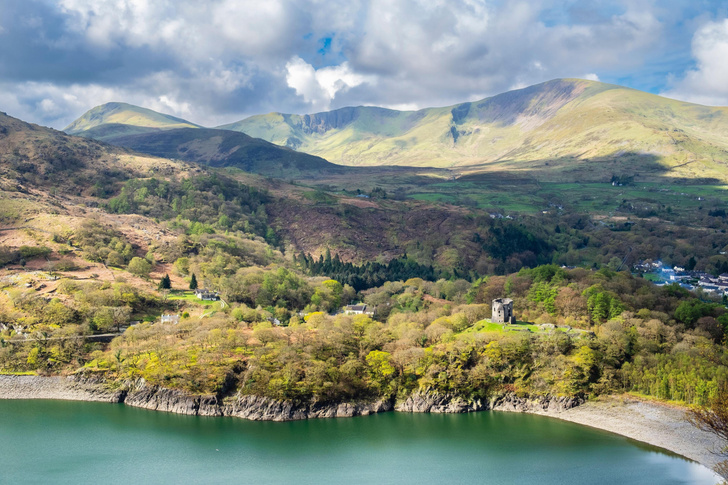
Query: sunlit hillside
point(126, 117)
point(551, 127)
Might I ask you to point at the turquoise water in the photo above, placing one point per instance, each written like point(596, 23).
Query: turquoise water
point(75, 442)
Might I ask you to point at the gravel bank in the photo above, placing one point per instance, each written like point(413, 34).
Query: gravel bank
point(65, 388)
point(651, 422)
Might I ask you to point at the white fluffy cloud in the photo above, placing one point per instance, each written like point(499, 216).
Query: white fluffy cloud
point(708, 82)
point(220, 60)
point(429, 53)
point(320, 86)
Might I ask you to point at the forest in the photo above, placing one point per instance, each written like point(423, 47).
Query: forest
point(586, 325)
point(580, 332)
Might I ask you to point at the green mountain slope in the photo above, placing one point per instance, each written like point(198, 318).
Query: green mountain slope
point(133, 118)
point(551, 127)
point(219, 148)
point(165, 136)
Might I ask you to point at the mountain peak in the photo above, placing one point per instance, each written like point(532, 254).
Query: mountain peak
point(126, 114)
point(562, 119)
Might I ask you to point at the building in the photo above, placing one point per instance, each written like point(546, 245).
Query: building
point(207, 295)
point(173, 319)
point(502, 311)
point(356, 310)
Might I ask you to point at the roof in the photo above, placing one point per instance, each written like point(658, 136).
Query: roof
point(356, 308)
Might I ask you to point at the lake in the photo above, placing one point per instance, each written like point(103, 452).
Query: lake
point(77, 442)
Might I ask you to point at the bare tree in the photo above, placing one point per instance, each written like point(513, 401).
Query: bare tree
point(714, 419)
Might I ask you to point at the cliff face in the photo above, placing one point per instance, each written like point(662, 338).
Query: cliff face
point(143, 395)
point(439, 403)
point(255, 408)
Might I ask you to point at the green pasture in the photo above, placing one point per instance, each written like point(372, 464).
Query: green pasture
point(485, 326)
point(189, 297)
point(599, 198)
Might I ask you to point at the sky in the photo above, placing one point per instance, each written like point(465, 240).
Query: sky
point(219, 61)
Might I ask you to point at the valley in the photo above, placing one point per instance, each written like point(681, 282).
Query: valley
point(91, 231)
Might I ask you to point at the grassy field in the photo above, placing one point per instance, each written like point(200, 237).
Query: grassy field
point(508, 192)
point(189, 297)
point(485, 326)
point(593, 198)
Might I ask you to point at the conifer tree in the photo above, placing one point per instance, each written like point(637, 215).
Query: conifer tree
point(165, 283)
point(193, 282)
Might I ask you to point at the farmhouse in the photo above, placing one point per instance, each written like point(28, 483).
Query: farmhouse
point(173, 319)
point(207, 295)
point(356, 310)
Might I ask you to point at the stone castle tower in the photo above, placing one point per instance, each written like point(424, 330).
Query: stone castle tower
point(502, 311)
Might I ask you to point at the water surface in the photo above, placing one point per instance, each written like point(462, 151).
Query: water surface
point(76, 442)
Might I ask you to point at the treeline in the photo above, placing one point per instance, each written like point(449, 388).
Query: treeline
point(430, 346)
point(209, 201)
point(370, 274)
point(617, 333)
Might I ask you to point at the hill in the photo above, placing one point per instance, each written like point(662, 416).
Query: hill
point(40, 158)
point(160, 135)
point(218, 148)
point(555, 130)
point(133, 119)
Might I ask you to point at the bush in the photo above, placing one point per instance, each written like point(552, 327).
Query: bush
point(30, 252)
point(63, 265)
point(139, 266)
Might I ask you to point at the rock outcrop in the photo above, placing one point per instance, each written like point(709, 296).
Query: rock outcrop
point(141, 394)
point(539, 404)
point(263, 409)
point(429, 402)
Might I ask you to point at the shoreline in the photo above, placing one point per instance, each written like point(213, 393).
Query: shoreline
point(654, 423)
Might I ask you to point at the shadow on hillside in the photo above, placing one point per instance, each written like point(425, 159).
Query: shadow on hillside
point(637, 166)
point(626, 168)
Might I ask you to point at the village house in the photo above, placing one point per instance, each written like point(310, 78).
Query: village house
point(356, 310)
point(203, 294)
point(173, 319)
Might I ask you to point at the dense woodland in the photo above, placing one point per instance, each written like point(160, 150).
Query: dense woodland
point(617, 332)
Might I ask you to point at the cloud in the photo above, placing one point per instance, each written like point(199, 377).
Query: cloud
point(220, 60)
point(319, 87)
point(436, 53)
point(708, 82)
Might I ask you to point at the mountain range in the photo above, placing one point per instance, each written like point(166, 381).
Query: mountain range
point(565, 128)
point(161, 135)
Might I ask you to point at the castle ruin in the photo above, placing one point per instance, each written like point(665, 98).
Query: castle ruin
point(502, 311)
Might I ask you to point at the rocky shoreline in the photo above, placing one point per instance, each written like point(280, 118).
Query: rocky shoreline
point(140, 394)
point(438, 403)
point(646, 421)
point(143, 395)
point(652, 422)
